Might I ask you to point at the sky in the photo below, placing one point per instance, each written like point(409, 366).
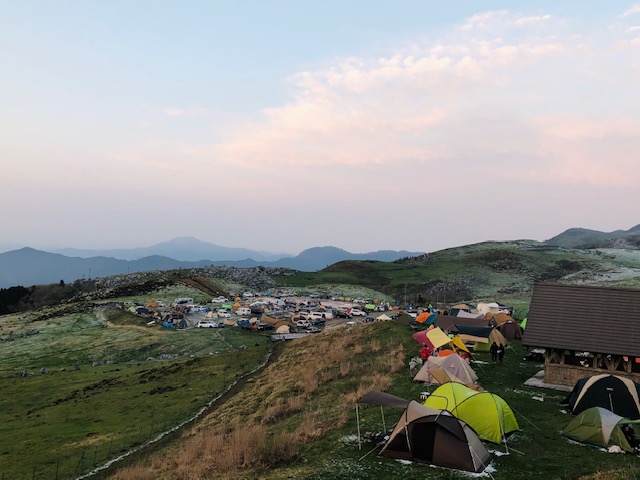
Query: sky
point(287, 124)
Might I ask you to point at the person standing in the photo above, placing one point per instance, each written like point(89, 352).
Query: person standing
point(494, 352)
point(425, 352)
point(500, 353)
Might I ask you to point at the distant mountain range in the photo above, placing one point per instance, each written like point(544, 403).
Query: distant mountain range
point(28, 266)
point(186, 249)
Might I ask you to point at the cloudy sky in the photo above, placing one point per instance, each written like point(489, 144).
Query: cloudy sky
point(282, 125)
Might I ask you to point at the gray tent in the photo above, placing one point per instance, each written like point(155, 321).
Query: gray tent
point(431, 436)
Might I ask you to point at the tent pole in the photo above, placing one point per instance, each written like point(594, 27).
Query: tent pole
point(384, 425)
point(358, 421)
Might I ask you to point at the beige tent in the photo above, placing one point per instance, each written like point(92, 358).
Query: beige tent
point(485, 308)
point(499, 318)
point(453, 365)
point(383, 317)
point(283, 329)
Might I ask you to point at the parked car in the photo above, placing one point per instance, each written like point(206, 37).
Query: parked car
point(220, 299)
point(356, 312)
point(303, 324)
point(313, 330)
point(341, 314)
point(223, 314)
point(369, 318)
point(207, 324)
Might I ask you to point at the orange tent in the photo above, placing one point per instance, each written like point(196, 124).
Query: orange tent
point(422, 317)
point(446, 353)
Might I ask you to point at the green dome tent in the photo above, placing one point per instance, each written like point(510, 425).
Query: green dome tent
point(487, 413)
point(601, 427)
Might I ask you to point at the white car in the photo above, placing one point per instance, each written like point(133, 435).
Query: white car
point(357, 312)
point(223, 314)
point(220, 300)
point(207, 324)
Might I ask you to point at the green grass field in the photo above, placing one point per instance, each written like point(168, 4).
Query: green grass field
point(68, 419)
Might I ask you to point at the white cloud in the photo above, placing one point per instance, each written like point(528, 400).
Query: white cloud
point(466, 103)
point(631, 10)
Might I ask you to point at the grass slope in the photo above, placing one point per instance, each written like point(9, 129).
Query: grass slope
point(484, 271)
point(297, 419)
point(58, 424)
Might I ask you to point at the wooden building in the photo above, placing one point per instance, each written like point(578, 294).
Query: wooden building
point(585, 331)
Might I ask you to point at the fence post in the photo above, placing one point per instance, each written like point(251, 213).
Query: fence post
point(80, 464)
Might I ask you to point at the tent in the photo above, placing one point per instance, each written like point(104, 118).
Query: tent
point(485, 308)
point(498, 318)
point(454, 366)
point(426, 318)
point(283, 329)
point(383, 317)
point(601, 427)
point(431, 436)
point(510, 329)
point(617, 394)
point(487, 413)
point(494, 337)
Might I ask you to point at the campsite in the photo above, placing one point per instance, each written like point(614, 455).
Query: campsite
point(98, 391)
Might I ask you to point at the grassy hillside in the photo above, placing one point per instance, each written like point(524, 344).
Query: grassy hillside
point(80, 388)
point(297, 419)
point(489, 270)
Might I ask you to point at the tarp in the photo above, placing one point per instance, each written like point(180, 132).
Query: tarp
point(383, 399)
point(436, 437)
point(475, 331)
point(437, 337)
point(463, 314)
point(471, 339)
point(487, 413)
point(601, 427)
point(459, 344)
point(448, 323)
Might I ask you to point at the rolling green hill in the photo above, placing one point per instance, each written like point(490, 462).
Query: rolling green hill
point(481, 271)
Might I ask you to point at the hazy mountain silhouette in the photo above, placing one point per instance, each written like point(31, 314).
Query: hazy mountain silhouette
point(28, 266)
point(181, 248)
